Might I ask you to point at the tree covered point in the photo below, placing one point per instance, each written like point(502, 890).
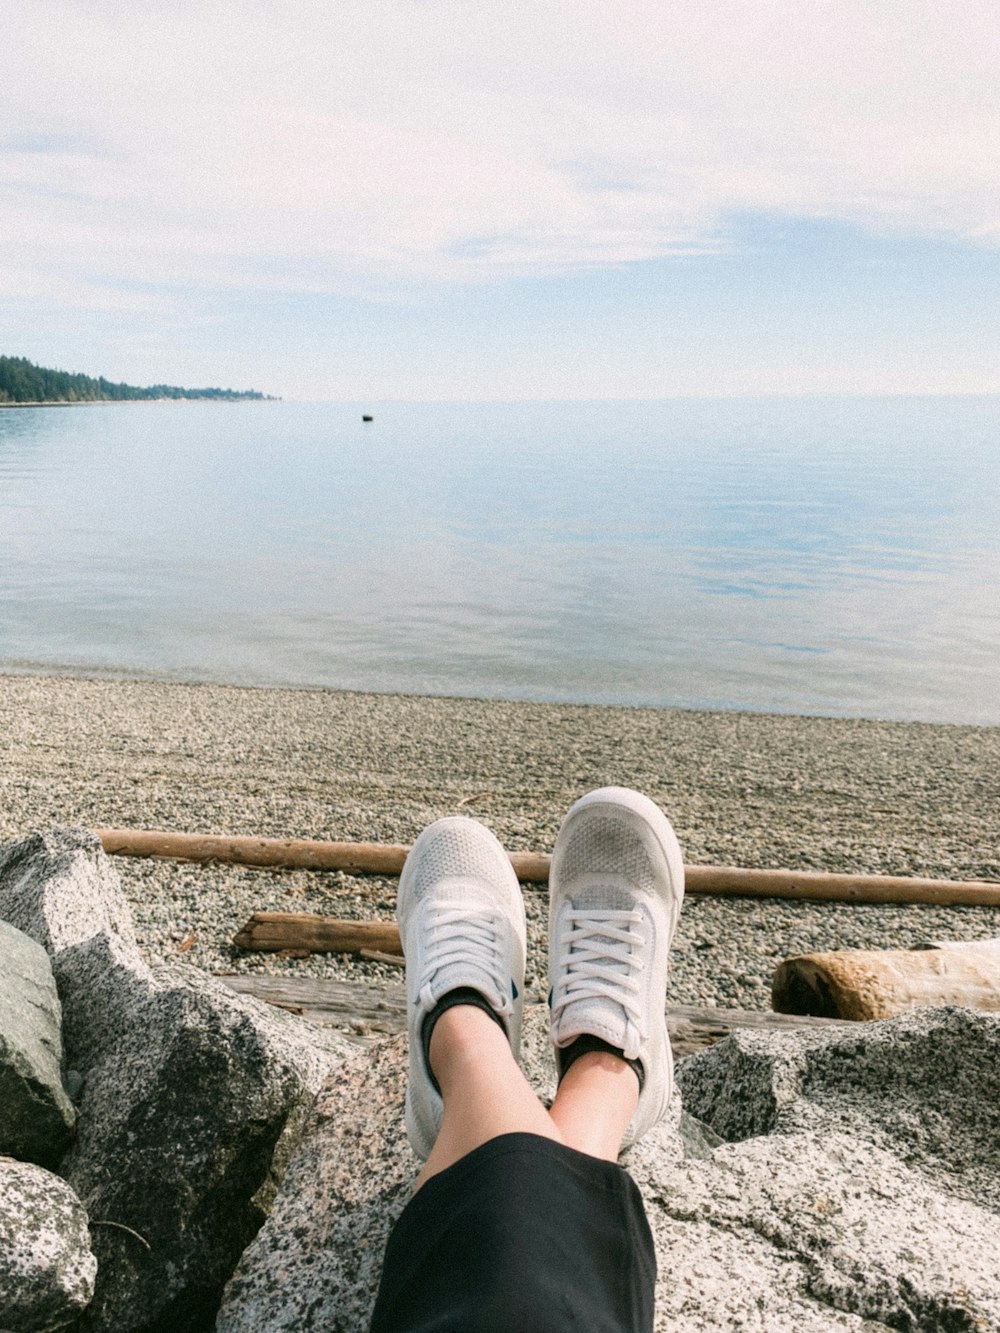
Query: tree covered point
point(23, 382)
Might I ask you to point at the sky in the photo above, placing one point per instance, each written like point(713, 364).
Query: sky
point(439, 199)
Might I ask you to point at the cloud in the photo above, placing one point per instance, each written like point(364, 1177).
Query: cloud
point(363, 148)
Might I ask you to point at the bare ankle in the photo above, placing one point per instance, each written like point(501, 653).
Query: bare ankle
point(462, 1034)
point(596, 1100)
point(603, 1064)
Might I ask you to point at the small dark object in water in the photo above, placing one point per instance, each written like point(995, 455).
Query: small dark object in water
point(367, 418)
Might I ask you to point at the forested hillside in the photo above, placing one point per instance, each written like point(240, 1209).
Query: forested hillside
point(23, 382)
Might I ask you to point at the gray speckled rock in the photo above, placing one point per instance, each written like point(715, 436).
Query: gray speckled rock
point(192, 1098)
point(187, 1120)
point(316, 1262)
point(924, 1086)
point(46, 1265)
point(878, 1163)
point(36, 1116)
point(849, 1209)
point(59, 887)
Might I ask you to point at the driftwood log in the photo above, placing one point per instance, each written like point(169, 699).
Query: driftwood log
point(533, 868)
point(860, 985)
point(366, 1012)
point(273, 932)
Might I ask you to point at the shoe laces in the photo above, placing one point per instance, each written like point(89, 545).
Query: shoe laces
point(603, 959)
point(457, 936)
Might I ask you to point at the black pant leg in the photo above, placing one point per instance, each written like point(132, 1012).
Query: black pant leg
point(522, 1236)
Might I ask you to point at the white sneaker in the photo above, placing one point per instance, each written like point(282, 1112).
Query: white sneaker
point(461, 919)
point(616, 883)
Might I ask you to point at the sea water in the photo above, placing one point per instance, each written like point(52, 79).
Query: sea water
point(836, 556)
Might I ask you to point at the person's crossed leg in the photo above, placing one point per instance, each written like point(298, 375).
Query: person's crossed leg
point(616, 884)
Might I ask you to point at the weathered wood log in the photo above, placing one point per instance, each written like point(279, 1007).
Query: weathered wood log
point(366, 1012)
point(533, 868)
point(291, 853)
point(820, 886)
point(270, 932)
point(860, 985)
point(693, 1028)
point(989, 948)
point(358, 1009)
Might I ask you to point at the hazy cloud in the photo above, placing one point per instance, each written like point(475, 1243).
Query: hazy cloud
point(362, 146)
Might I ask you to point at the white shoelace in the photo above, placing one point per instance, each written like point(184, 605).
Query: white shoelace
point(603, 960)
point(457, 937)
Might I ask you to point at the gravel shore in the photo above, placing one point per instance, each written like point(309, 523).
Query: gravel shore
point(741, 789)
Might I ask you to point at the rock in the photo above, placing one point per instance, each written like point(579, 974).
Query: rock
point(876, 1163)
point(73, 1083)
point(860, 1193)
point(316, 1262)
point(192, 1096)
point(187, 1120)
point(46, 1265)
point(924, 1086)
point(36, 1116)
point(60, 888)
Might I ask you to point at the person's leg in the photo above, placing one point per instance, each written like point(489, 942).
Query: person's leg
point(595, 1104)
point(616, 883)
point(484, 1092)
point(521, 1224)
point(521, 1234)
point(461, 919)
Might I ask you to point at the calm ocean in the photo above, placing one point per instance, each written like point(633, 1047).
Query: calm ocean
point(823, 555)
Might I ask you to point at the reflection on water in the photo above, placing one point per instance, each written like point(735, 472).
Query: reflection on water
point(816, 555)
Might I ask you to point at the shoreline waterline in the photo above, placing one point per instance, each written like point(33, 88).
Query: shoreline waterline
point(183, 679)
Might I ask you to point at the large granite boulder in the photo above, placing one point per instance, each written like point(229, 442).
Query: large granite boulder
point(873, 1154)
point(46, 1265)
point(861, 1191)
point(59, 887)
point(36, 1116)
point(192, 1100)
point(925, 1085)
point(315, 1265)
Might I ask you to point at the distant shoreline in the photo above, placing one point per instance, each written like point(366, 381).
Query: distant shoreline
point(123, 402)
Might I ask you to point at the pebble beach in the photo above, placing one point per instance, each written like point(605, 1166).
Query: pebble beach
point(741, 789)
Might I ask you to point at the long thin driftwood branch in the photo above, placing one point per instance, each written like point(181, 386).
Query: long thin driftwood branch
point(533, 868)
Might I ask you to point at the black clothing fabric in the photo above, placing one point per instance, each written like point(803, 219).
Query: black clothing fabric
point(524, 1235)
